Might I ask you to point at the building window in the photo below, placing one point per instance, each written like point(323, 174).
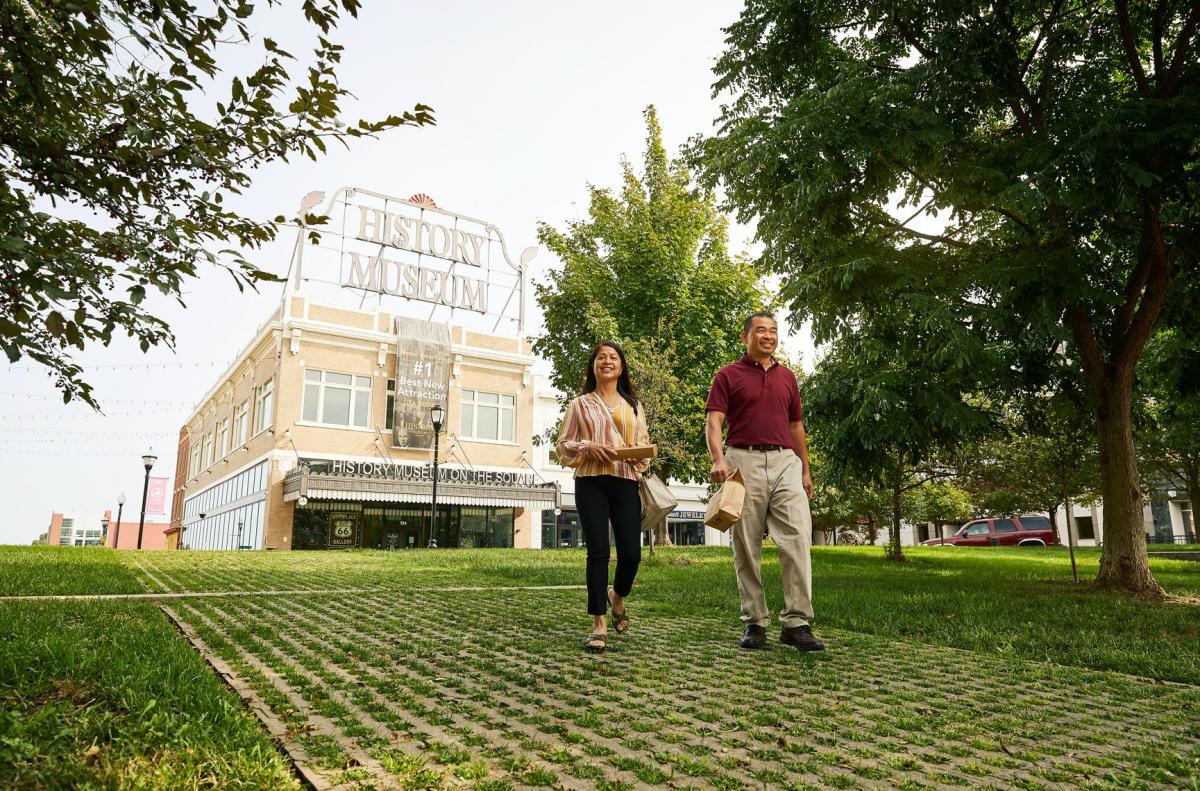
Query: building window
point(64, 537)
point(336, 399)
point(194, 466)
point(222, 438)
point(241, 422)
point(1084, 528)
point(207, 458)
point(263, 397)
point(488, 416)
point(389, 417)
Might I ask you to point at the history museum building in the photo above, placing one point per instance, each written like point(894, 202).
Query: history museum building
point(321, 435)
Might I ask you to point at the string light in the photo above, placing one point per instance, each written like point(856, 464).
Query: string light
point(86, 416)
point(94, 434)
point(131, 402)
point(130, 366)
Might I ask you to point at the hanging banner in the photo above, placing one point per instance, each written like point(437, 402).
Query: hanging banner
point(422, 379)
point(156, 496)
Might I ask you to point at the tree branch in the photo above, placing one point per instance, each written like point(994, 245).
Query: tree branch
point(1045, 27)
point(1158, 22)
point(1089, 349)
point(1180, 57)
point(946, 240)
point(1133, 292)
point(1127, 348)
point(1135, 62)
point(909, 38)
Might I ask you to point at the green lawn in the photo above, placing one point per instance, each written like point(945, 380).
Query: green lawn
point(106, 695)
point(972, 668)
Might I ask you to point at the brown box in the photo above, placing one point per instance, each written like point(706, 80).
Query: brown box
point(636, 452)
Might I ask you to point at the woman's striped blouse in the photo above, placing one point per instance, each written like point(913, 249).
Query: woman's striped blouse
point(588, 418)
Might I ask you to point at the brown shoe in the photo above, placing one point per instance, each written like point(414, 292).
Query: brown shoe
point(754, 638)
point(801, 638)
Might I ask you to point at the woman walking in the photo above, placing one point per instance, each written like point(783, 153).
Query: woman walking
point(605, 417)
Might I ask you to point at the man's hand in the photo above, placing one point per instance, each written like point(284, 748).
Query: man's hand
point(808, 487)
point(720, 471)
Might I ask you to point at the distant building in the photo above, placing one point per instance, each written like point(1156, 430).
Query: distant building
point(320, 434)
point(76, 529)
point(154, 535)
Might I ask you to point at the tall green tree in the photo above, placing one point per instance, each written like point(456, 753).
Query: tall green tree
point(886, 406)
point(939, 502)
point(121, 139)
point(1041, 456)
point(650, 268)
point(1168, 431)
point(1029, 166)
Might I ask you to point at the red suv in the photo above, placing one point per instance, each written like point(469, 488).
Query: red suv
point(1002, 531)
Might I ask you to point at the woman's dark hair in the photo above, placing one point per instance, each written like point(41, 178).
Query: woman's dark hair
point(624, 385)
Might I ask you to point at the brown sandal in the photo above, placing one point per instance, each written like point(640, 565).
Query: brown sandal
point(620, 620)
point(595, 643)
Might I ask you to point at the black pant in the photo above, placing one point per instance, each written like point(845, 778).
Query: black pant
point(601, 498)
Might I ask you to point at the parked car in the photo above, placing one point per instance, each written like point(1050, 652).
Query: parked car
point(1002, 531)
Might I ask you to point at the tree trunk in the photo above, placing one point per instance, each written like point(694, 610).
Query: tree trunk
point(893, 548)
point(1124, 565)
point(1189, 527)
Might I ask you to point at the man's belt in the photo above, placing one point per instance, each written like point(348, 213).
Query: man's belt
point(760, 448)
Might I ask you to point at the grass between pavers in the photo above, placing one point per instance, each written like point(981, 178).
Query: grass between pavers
point(442, 697)
point(1016, 603)
point(44, 571)
point(415, 675)
point(107, 695)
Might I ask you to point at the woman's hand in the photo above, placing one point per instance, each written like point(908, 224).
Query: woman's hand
point(604, 453)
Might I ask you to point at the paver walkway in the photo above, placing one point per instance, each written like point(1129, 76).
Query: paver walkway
point(487, 687)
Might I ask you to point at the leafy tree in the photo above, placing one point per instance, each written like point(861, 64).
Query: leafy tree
point(1169, 429)
point(120, 143)
point(885, 405)
point(1041, 458)
point(1022, 169)
point(938, 502)
point(650, 268)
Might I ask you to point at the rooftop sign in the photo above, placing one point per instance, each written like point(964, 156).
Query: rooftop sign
point(411, 249)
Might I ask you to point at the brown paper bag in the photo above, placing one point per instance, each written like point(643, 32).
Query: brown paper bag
point(725, 507)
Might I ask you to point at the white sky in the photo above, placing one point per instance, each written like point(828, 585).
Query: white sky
point(533, 100)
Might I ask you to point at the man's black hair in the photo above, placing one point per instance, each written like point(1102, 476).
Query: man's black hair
point(762, 314)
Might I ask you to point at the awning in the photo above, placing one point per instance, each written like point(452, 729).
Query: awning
point(443, 499)
point(335, 487)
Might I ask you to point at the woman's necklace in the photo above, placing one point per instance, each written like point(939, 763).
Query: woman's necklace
point(608, 406)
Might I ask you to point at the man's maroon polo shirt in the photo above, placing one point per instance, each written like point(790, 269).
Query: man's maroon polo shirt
point(758, 404)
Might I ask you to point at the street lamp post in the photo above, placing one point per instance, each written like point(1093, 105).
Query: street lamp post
point(437, 414)
point(239, 536)
point(120, 508)
point(104, 531)
point(147, 462)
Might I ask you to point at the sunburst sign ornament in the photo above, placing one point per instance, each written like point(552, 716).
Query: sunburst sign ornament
point(421, 199)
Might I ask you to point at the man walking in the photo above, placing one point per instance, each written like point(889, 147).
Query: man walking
point(760, 400)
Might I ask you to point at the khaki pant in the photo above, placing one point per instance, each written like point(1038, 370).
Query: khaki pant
point(775, 501)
